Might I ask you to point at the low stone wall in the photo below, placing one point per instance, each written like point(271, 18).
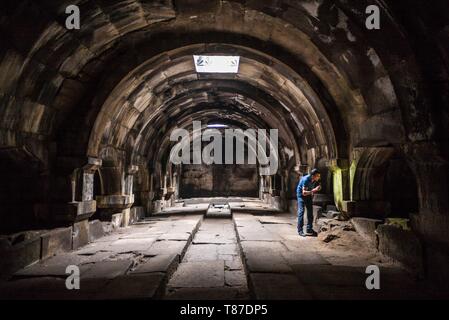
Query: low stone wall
point(401, 245)
point(393, 242)
point(22, 249)
point(367, 229)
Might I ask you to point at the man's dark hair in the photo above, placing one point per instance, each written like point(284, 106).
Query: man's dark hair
point(314, 172)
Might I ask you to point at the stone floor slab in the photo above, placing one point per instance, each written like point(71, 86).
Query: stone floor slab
point(227, 249)
point(305, 257)
point(258, 236)
point(134, 287)
point(175, 236)
point(202, 252)
point(131, 245)
point(267, 261)
point(234, 264)
point(223, 293)
point(213, 238)
point(166, 247)
point(266, 286)
point(160, 263)
point(198, 275)
point(235, 278)
point(276, 246)
point(107, 269)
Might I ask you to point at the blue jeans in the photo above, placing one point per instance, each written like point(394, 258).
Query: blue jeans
point(302, 206)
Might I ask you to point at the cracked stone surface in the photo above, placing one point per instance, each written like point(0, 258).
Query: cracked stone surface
point(132, 263)
point(212, 263)
point(145, 261)
point(291, 267)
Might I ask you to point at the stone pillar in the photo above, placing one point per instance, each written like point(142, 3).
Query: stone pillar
point(82, 205)
point(264, 188)
point(340, 169)
point(129, 179)
point(115, 205)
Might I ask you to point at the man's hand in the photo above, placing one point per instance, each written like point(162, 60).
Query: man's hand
point(317, 189)
point(307, 193)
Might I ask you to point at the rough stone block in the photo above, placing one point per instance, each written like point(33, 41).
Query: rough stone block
point(56, 241)
point(368, 209)
point(116, 220)
point(367, 228)
point(80, 234)
point(115, 201)
point(402, 246)
point(126, 217)
point(96, 230)
point(136, 214)
point(20, 255)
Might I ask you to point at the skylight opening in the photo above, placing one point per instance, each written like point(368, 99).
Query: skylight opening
point(217, 125)
point(217, 64)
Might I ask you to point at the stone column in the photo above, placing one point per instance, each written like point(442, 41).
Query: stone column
point(82, 205)
point(77, 189)
point(340, 169)
point(264, 188)
point(115, 205)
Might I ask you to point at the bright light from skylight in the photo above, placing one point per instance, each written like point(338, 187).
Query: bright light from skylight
point(217, 64)
point(217, 125)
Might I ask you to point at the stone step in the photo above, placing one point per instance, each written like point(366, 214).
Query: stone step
point(219, 210)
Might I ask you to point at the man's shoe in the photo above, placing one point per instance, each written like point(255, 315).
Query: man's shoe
point(312, 233)
point(302, 234)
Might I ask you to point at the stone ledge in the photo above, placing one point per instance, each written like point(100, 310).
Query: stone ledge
point(56, 241)
point(80, 234)
point(115, 201)
point(96, 230)
point(367, 209)
point(20, 255)
point(73, 211)
point(366, 227)
point(401, 246)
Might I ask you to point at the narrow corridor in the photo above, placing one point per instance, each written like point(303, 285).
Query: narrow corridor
point(212, 267)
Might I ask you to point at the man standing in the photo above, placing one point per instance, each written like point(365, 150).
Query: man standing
point(307, 187)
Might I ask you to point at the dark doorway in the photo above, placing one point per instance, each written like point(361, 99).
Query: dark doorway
point(219, 181)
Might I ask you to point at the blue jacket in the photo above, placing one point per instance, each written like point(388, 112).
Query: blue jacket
point(305, 182)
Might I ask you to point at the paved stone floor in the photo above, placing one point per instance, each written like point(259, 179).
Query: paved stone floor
point(212, 267)
point(191, 257)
